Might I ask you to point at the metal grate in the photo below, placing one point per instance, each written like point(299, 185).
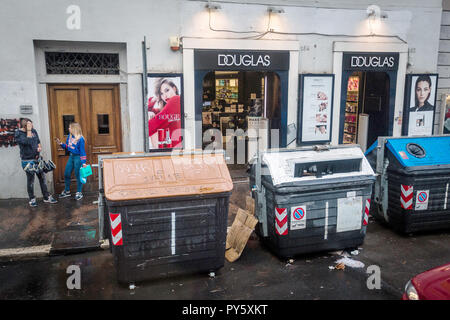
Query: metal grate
point(81, 63)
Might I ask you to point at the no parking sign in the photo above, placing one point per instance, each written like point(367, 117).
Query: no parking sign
point(298, 217)
point(422, 197)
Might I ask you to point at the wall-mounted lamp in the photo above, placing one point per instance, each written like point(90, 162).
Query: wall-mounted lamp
point(174, 43)
point(212, 6)
point(275, 10)
point(374, 16)
point(374, 12)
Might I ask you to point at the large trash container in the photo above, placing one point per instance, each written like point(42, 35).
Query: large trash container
point(164, 214)
point(412, 189)
point(312, 199)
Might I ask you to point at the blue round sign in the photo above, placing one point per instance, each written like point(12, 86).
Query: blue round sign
point(299, 213)
point(422, 197)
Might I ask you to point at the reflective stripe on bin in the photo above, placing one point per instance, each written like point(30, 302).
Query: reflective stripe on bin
point(281, 221)
point(406, 197)
point(116, 228)
point(366, 212)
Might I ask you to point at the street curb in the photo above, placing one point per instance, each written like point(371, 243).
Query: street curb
point(26, 253)
point(15, 254)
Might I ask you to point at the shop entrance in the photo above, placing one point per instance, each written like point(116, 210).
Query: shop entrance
point(234, 102)
point(368, 89)
point(366, 108)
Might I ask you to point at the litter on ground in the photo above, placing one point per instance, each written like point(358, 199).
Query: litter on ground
point(350, 263)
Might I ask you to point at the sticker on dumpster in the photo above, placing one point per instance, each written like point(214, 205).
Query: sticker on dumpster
point(281, 221)
point(422, 199)
point(351, 194)
point(403, 155)
point(349, 214)
point(298, 218)
point(406, 196)
point(366, 212)
point(116, 228)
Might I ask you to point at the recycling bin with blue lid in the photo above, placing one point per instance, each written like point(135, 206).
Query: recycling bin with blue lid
point(412, 191)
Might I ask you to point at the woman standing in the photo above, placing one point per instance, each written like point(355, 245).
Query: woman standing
point(75, 145)
point(30, 147)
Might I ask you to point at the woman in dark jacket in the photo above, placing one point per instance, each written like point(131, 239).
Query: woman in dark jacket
point(30, 147)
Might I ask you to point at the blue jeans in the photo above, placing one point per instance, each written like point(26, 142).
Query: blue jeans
point(73, 164)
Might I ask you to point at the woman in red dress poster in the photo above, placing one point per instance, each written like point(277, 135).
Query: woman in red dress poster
point(164, 122)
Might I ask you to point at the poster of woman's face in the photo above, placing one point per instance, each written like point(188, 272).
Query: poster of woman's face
point(421, 104)
point(423, 93)
point(164, 111)
point(256, 108)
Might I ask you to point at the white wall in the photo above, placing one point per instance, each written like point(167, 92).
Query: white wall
point(443, 70)
point(120, 22)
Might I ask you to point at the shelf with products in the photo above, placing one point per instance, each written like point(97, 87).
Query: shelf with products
point(348, 138)
point(231, 87)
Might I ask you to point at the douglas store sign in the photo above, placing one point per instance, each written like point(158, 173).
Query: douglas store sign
point(371, 61)
point(241, 60)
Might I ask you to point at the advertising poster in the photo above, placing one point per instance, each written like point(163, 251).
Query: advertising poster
point(316, 108)
point(421, 104)
point(446, 122)
point(164, 107)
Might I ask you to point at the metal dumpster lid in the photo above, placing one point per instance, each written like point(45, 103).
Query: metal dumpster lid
point(137, 178)
point(281, 165)
point(435, 150)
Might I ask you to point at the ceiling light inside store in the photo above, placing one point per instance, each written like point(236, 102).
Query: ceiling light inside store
point(275, 10)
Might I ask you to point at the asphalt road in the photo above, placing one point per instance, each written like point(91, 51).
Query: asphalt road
point(258, 274)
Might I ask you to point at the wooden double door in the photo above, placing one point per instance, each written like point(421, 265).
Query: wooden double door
point(96, 107)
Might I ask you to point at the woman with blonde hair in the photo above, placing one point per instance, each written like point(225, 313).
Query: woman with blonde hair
point(75, 145)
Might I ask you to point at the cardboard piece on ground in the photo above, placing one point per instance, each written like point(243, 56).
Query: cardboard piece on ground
point(250, 205)
point(239, 233)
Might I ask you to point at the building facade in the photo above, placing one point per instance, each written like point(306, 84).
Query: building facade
point(83, 61)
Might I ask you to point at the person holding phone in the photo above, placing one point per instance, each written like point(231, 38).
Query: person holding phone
point(30, 148)
point(75, 145)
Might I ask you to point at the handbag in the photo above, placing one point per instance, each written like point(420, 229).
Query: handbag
point(85, 172)
point(38, 166)
point(45, 166)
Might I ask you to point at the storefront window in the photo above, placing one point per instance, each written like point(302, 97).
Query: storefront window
point(366, 108)
point(232, 102)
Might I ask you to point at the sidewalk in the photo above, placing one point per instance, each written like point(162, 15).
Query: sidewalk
point(22, 226)
point(69, 225)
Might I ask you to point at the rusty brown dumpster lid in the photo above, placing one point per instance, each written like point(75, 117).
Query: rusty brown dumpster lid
point(137, 178)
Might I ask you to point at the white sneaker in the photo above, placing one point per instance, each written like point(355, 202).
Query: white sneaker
point(78, 196)
point(33, 202)
point(50, 199)
point(64, 194)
